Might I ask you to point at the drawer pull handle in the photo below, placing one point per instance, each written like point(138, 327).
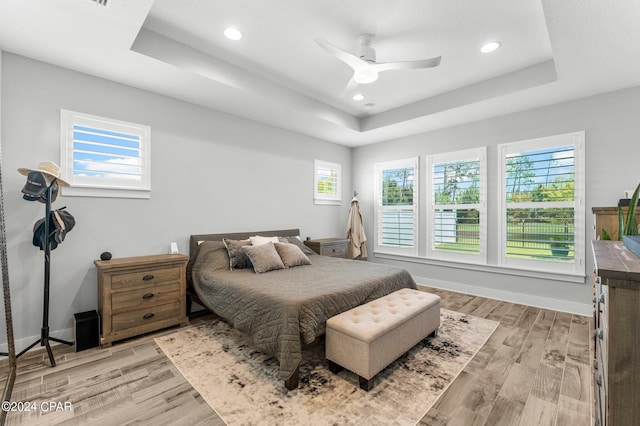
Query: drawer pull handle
point(599, 333)
point(602, 298)
point(147, 316)
point(599, 380)
point(147, 277)
point(148, 296)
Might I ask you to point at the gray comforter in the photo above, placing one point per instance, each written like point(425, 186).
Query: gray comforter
point(284, 309)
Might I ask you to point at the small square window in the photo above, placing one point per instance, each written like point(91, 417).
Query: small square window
point(327, 182)
point(102, 157)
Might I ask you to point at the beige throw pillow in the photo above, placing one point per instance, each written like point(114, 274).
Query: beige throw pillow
point(264, 257)
point(260, 240)
point(291, 255)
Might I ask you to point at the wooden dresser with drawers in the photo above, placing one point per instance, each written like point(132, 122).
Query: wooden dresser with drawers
point(137, 295)
point(617, 334)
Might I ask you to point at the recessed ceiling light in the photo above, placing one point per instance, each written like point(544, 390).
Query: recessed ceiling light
point(232, 33)
point(358, 97)
point(490, 46)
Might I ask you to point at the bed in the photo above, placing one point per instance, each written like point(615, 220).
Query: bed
point(284, 310)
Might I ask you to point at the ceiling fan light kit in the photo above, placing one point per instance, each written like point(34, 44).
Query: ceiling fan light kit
point(365, 75)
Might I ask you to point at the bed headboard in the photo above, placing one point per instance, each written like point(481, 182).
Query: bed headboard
point(196, 238)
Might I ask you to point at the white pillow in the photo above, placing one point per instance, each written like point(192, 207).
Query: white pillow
point(258, 240)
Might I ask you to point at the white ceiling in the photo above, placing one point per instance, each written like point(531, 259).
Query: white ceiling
point(552, 51)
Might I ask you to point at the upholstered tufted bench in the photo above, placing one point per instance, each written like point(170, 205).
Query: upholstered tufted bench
point(369, 337)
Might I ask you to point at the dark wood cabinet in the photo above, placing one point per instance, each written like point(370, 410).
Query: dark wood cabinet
point(617, 334)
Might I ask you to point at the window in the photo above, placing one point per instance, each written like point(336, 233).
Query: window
point(101, 157)
point(397, 206)
point(456, 218)
point(327, 187)
point(542, 191)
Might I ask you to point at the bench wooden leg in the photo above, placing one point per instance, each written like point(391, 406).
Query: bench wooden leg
point(434, 333)
point(366, 384)
point(334, 368)
point(292, 382)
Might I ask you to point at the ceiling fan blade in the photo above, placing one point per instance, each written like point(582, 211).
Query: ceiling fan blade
point(408, 65)
point(346, 57)
point(351, 87)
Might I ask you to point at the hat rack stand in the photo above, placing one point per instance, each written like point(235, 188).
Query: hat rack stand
point(11, 347)
point(44, 333)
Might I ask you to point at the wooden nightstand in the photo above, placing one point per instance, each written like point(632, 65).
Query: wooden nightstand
point(137, 295)
point(334, 247)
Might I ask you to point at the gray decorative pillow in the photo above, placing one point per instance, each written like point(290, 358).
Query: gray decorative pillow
point(291, 255)
point(214, 254)
point(264, 257)
point(237, 257)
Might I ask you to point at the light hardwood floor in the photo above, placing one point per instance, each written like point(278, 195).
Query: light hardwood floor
point(534, 370)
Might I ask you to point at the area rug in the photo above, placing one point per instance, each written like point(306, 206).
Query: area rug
point(241, 384)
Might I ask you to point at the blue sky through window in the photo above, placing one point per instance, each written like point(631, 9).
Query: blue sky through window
point(104, 153)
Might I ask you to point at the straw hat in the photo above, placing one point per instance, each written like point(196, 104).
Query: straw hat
point(49, 168)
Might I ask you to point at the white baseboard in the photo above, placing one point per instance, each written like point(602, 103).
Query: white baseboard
point(509, 296)
point(66, 334)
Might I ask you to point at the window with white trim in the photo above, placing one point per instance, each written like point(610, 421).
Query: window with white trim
point(327, 182)
point(542, 224)
point(103, 157)
point(456, 218)
point(397, 206)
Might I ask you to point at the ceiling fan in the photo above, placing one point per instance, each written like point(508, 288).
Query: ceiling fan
point(363, 62)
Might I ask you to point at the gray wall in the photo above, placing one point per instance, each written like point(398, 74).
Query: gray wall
point(612, 153)
point(211, 173)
